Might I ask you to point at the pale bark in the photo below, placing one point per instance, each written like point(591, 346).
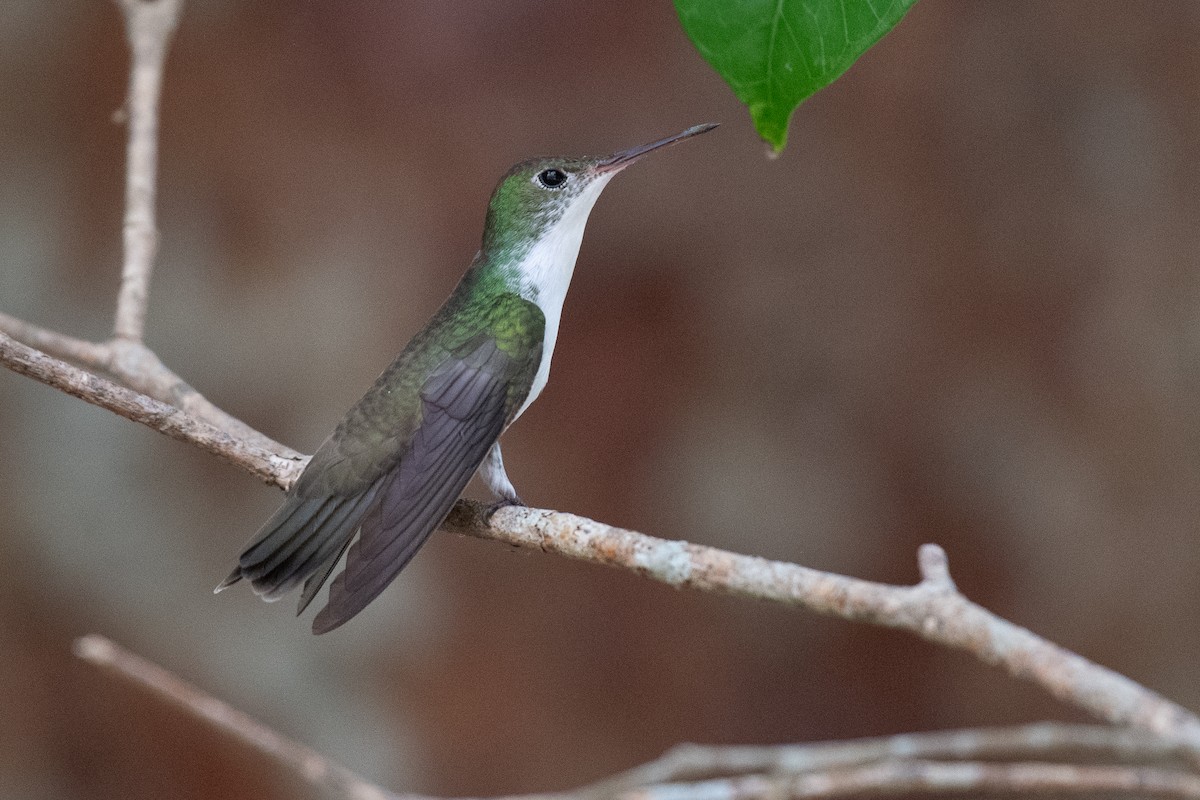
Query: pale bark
point(146, 391)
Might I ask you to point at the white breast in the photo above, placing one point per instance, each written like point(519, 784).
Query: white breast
point(546, 273)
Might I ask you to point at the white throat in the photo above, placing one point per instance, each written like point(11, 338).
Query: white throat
point(546, 272)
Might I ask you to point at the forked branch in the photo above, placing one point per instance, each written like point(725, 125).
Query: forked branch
point(264, 462)
point(149, 393)
point(149, 26)
point(992, 759)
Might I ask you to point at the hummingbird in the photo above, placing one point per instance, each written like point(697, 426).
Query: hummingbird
point(389, 474)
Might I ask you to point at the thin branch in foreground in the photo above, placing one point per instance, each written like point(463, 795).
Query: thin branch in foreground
point(931, 777)
point(886, 765)
point(314, 768)
point(261, 462)
point(1042, 740)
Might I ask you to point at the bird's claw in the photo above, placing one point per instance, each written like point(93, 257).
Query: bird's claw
point(503, 502)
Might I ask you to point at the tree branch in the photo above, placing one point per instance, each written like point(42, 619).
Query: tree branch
point(138, 368)
point(933, 609)
point(885, 765)
point(695, 762)
point(930, 777)
point(79, 351)
point(265, 463)
point(314, 768)
point(149, 25)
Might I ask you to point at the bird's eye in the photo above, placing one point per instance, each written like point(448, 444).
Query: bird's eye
point(552, 178)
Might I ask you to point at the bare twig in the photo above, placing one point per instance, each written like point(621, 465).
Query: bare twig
point(264, 463)
point(1044, 740)
point(313, 767)
point(932, 609)
point(138, 368)
point(79, 351)
point(149, 25)
point(929, 777)
point(886, 765)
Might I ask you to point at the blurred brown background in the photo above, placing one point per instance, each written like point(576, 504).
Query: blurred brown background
point(962, 308)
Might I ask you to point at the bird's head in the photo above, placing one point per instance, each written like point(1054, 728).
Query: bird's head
point(555, 194)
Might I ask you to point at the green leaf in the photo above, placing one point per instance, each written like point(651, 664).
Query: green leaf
point(774, 54)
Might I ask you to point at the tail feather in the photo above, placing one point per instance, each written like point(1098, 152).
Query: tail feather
point(286, 567)
point(230, 580)
point(318, 578)
point(273, 567)
point(333, 535)
point(292, 516)
point(298, 540)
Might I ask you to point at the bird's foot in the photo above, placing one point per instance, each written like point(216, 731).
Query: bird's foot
point(503, 502)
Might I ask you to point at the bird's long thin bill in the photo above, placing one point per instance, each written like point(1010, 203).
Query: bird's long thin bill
point(624, 158)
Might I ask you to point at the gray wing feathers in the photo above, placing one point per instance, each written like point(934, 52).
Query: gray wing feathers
point(465, 405)
point(464, 409)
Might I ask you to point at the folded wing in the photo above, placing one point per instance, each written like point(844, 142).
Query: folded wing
point(465, 406)
point(393, 504)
